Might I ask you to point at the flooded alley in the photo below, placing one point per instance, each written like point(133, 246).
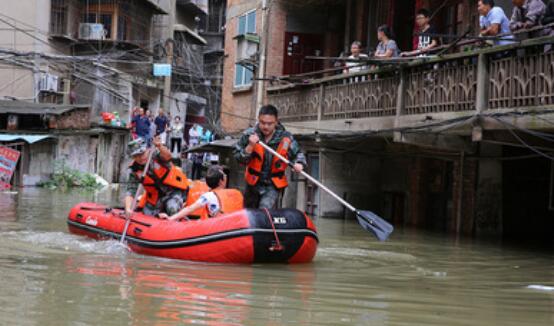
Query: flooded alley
point(50, 277)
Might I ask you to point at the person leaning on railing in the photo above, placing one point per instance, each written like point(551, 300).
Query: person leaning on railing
point(493, 22)
point(527, 14)
point(548, 19)
point(387, 47)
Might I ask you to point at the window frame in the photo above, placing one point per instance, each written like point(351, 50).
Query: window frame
point(246, 25)
point(243, 76)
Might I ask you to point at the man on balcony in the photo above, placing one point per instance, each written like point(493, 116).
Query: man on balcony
point(527, 14)
point(493, 22)
point(265, 174)
point(427, 38)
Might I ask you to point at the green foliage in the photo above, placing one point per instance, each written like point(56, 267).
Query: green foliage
point(64, 177)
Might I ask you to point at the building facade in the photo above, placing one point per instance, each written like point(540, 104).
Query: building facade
point(99, 54)
point(433, 142)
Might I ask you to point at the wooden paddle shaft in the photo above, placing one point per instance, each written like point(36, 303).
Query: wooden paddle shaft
point(309, 177)
point(135, 199)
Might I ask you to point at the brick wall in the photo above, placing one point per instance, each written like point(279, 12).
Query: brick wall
point(236, 106)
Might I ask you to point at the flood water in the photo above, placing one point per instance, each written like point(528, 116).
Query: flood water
point(50, 277)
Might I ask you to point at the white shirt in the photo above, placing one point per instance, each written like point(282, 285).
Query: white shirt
point(353, 66)
point(211, 201)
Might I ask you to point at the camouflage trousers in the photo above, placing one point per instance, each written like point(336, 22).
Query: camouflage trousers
point(263, 196)
point(170, 204)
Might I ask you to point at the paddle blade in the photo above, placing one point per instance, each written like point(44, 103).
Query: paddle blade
point(374, 224)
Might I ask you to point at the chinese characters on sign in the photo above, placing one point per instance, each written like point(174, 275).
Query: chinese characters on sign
point(8, 162)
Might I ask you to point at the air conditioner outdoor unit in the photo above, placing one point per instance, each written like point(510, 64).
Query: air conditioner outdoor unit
point(89, 31)
point(48, 83)
point(247, 46)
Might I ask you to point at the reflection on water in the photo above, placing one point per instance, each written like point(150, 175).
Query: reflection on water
point(50, 277)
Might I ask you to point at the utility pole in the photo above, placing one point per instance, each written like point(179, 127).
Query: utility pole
point(260, 89)
point(166, 103)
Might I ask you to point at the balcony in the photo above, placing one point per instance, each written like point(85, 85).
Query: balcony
point(480, 82)
point(103, 23)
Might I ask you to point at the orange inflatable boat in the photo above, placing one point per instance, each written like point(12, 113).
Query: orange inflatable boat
point(246, 236)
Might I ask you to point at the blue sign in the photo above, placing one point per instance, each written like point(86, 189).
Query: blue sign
point(162, 69)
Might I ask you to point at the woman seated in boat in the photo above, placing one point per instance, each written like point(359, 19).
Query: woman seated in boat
point(217, 201)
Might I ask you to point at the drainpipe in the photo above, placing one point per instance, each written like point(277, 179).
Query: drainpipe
point(260, 89)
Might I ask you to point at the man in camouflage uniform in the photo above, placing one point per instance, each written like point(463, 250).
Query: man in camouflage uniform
point(170, 195)
point(265, 174)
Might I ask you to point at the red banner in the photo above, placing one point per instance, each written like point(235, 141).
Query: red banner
point(8, 162)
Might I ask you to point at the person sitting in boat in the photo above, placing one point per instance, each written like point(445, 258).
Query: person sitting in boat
point(165, 185)
point(217, 201)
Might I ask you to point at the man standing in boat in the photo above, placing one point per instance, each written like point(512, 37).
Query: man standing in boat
point(265, 174)
point(165, 185)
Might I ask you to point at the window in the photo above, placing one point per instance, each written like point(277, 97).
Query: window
point(247, 23)
point(100, 18)
point(243, 76)
point(123, 28)
point(455, 18)
point(58, 17)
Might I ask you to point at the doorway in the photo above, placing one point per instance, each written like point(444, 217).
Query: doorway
point(297, 47)
point(403, 23)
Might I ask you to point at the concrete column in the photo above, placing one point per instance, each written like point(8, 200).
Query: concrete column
point(488, 210)
point(400, 103)
point(482, 100)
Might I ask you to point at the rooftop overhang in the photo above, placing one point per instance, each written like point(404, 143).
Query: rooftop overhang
point(24, 107)
point(198, 7)
point(28, 138)
point(161, 7)
point(195, 37)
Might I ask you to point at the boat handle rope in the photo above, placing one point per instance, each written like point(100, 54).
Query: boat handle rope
point(277, 246)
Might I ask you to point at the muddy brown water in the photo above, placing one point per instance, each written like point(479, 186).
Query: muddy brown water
point(50, 277)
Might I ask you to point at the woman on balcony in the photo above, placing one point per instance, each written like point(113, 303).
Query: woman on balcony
point(387, 47)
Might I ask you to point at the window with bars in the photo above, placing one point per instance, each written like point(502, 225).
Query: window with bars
point(58, 17)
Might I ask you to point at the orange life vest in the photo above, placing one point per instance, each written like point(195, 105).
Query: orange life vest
point(171, 176)
point(278, 167)
point(230, 200)
point(197, 189)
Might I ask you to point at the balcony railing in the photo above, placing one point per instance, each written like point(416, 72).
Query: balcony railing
point(503, 77)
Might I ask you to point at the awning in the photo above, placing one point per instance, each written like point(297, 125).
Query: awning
point(182, 28)
point(30, 139)
point(216, 146)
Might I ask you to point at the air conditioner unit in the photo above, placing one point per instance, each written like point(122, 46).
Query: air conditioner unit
point(89, 31)
point(48, 83)
point(247, 46)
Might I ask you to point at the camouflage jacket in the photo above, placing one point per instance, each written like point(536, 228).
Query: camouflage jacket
point(295, 155)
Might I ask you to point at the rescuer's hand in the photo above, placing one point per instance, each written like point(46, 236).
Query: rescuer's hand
point(253, 139)
point(163, 216)
point(298, 167)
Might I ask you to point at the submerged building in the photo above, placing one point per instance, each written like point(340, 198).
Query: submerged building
point(457, 141)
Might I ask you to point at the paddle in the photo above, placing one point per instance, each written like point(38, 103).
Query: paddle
point(135, 199)
point(368, 220)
